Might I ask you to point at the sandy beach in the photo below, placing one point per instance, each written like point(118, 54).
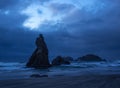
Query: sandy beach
point(86, 81)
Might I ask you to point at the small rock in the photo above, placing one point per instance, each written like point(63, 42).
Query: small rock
point(38, 75)
point(68, 58)
point(59, 60)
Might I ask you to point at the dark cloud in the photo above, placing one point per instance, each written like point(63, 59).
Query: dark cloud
point(10, 14)
point(12, 20)
point(103, 43)
point(79, 32)
point(61, 8)
point(16, 44)
point(6, 4)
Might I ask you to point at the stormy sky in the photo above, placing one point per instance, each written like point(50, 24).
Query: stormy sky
point(70, 27)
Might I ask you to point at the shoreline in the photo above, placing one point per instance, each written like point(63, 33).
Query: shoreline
point(65, 73)
point(80, 81)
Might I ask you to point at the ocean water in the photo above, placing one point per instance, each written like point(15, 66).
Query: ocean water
point(15, 70)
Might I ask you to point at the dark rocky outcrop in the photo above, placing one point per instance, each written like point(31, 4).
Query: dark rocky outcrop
point(90, 58)
point(38, 75)
point(68, 58)
point(39, 58)
point(59, 60)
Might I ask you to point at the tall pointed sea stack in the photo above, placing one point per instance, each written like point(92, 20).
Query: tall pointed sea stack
point(39, 58)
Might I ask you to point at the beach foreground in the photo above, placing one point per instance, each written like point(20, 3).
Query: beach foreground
point(86, 81)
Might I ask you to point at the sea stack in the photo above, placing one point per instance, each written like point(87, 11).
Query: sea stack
point(90, 58)
point(39, 58)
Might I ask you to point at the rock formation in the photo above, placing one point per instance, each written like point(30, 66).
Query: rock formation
point(38, 76)
point(59, 60)
point(68, 58)
point(90, 58)
point(39, 58)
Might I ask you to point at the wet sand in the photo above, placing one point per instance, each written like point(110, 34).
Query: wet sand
point(83, 81)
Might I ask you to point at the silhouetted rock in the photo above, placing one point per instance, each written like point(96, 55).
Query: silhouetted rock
point(68, 58)
point(39, 58)
point(90, 58)
point(38, 75)
point(59, 60)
